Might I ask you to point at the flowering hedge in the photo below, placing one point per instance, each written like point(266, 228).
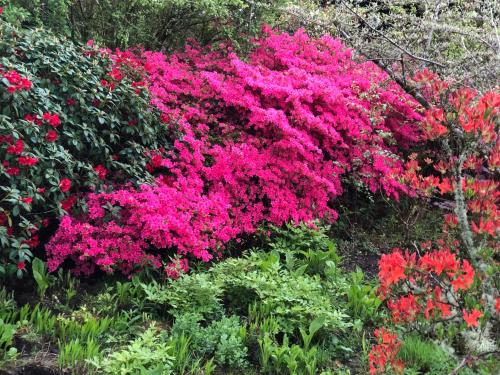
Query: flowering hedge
point(268, 138)
point(70, 123)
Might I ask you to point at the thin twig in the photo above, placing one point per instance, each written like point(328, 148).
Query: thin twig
point(391, 41)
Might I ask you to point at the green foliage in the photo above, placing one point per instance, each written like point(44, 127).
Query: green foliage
point(74, 353)
point(41, 275)
point(424, 356)
point(303, 247)
point(157, 24)
point(294, 298)
point(362, 300)
point(148, 354)
point(198, 293)
point(223, 339)
point(7, 331)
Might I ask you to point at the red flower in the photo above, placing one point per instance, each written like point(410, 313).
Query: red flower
point(52, 119)
point(21, 266)
point(405, 309)
point(27, 200)
point(71, 102)
point(101, 171)
point(51, 136)
point(27, 160)
point(6, 139)
point(40, 190)
point(65, 185)
point(497, 305)
point(30, 118)
point(115, 74)
point(16, 81)
point(392, 267)
point(466, 279)
point(12, 171)
point(385, 353)
point(67, 203)
point(472, 317)
point(17, 148)
point(90, 43)
point(3, 219)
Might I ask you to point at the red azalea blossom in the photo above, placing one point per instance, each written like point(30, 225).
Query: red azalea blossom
point(52, 119)
point(51, 136)
point(101, 171)
point(16, 149)
point(27, 160)
point(12, 171)
point(405, 309)
point(16, 81)
point(384, 353)
point(472, 317)
point(392, 267)
point(67, 203)
point(21, 266)
point(30, 117)
point(465, 279)
point(70, 102)
point(27, 200)
point(65, 185)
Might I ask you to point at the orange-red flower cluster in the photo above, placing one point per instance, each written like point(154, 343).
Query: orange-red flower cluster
point(384, 354)
point(425, 279)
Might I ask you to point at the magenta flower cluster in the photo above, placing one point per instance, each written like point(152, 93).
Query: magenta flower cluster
point(267, 138)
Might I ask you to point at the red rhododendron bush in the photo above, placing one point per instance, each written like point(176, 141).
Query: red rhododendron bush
point(70, 123)
point(451, 286)
point(269, 138)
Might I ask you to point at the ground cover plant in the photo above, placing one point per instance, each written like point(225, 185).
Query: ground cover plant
point(221, 197)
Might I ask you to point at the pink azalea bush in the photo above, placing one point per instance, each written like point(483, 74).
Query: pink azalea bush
point(263, 139)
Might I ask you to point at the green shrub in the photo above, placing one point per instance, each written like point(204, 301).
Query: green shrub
point(294, 298)
point(305, 247)
point(157, 24)
point(196, 294)
point(103, 135)
point(223, 340)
